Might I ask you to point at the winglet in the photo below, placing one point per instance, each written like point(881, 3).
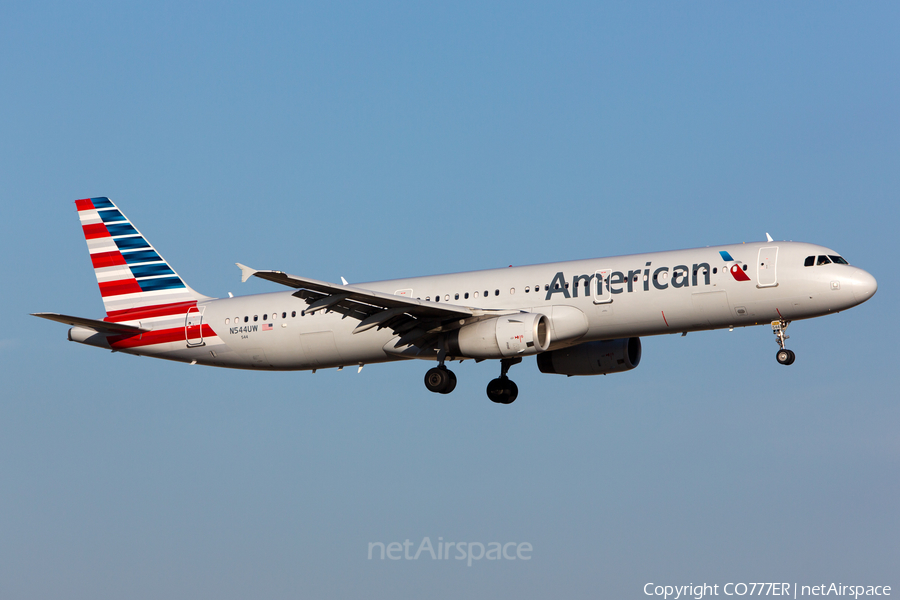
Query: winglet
point(769, 237)
point(246, 272)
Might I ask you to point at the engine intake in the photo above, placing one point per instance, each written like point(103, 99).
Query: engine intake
point(521, 334)
point(593, 358)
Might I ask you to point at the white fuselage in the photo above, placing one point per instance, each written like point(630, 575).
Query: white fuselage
point(643, 294)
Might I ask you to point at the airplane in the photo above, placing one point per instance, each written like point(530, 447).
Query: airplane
point(582, 317)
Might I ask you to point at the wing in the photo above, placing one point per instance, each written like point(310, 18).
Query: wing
point(99, 326)
point(416, 321)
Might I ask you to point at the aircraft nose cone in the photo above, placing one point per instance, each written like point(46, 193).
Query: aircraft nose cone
point(863, 285)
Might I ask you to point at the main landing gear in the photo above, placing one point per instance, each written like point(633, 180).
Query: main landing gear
point(783, 356)
point(441, 380)
point(502, 390)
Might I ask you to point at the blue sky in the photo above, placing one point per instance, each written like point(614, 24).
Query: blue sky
point(390, 140)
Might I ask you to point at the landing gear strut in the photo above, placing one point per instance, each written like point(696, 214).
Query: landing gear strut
point(502, 390)
point(783, 356)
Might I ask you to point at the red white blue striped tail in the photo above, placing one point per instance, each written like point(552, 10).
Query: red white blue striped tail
point(131, 273)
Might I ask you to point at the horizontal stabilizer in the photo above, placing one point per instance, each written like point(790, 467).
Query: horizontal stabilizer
point(98, 326)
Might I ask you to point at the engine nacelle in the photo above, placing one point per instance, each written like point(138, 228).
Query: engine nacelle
point(593, 358)
point(521, 334)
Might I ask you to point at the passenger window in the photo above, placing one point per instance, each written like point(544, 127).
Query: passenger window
point(246, 319)
point(237, 319)
point(512, 291)
point(227, 321)
point(838, 260)
point(265, 317)
point(745, 267)
point(527, 288)
point(255, 318)
point(447, 297)
point(496, 292)
point(810, 261)
point(456, 297)
point(546, 287)
point(284, 315)
point(823, 260)
point(486, 293)
point(715, 270)
point(467, 295)
point(437, 298)
point(476, 294)
point(427, 298)
point(293, 313)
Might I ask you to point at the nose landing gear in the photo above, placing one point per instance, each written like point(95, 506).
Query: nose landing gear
point(783, 356)
point(502, 390)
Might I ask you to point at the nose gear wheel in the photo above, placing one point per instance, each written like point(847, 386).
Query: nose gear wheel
point(783, 356)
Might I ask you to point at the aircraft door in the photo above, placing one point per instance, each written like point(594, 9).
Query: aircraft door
point(193, 327)
point(765, 267)
point(601, 286)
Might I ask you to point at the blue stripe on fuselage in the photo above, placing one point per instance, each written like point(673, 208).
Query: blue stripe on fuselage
point(165, 283)
point(121, 229)
point(151, 270)
point(141, 256)
point(102, 203)
point(129, 243)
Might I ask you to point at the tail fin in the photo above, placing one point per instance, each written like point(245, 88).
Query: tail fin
point(130, 272)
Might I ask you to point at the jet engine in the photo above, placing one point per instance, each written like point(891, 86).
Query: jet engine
point(520, 334)
point(593, 358)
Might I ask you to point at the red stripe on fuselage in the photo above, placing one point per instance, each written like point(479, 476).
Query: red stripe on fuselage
point(149, 338)
point(85, 204)
point(117, 288)
point(147, 312)
point(107, 259)
point(97, 230)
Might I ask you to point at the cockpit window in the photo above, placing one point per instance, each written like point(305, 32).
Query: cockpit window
point(838, 260)
point(823, 260)
point(810, 261)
